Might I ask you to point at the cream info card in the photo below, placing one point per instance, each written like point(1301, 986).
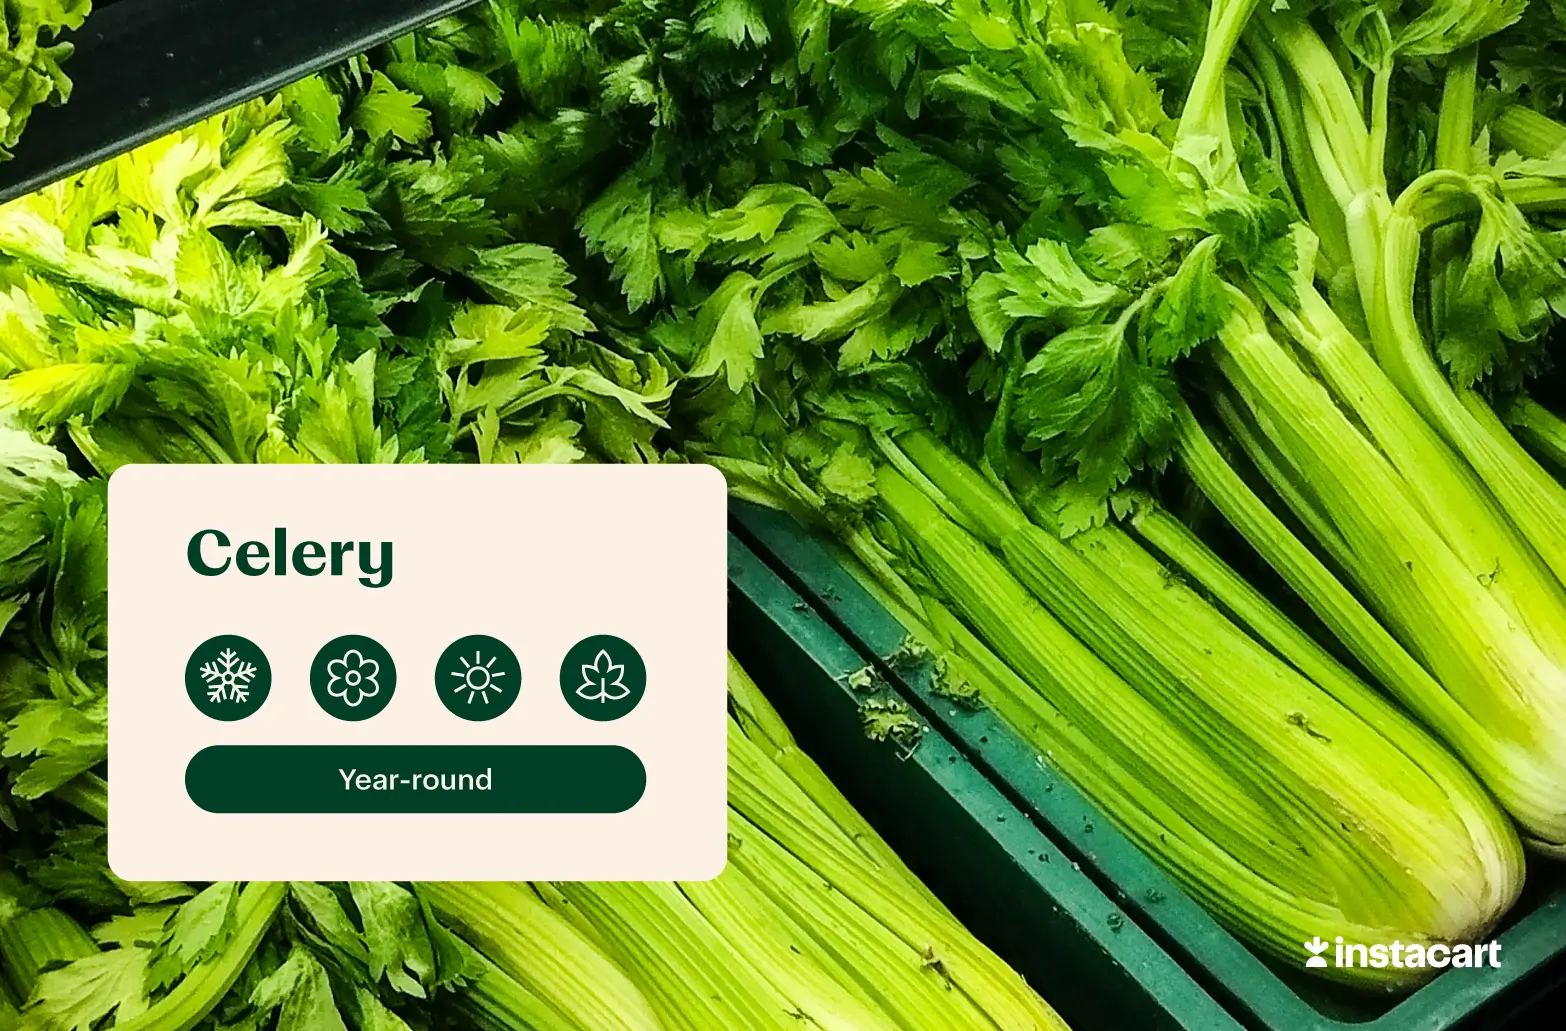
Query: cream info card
point(413, 672)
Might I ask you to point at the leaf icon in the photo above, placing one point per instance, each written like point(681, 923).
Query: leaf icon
point(602, 679)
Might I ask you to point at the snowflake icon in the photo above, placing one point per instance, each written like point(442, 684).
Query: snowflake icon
point(603, 679)
point(228, 677)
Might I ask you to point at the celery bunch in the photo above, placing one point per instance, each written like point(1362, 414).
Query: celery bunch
point(815, 922)
point(1016, 299)
point(1268, 779)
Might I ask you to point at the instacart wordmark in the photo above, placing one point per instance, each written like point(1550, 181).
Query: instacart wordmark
point(1412, 956)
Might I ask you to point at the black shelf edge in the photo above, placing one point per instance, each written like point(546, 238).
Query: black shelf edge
point(144, 68)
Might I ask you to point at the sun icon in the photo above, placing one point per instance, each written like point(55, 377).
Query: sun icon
point(478, 677)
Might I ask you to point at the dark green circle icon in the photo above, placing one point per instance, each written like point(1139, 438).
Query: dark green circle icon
point(477, 677)
point(228, 677)
point(353, 677)
point(603, 677)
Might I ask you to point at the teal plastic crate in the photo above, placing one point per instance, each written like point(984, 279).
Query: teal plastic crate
point(1527, 990)
point(1004, 879)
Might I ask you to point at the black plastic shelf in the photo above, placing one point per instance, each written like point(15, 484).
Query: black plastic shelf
point(143, 68)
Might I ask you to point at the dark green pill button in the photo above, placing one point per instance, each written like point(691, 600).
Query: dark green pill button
point(415, 779)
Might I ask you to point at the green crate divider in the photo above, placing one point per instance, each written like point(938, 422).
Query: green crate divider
point(1003, 878)
point(1530, 982)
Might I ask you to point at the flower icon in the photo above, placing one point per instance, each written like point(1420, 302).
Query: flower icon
point(602, 679)
point(352, 677)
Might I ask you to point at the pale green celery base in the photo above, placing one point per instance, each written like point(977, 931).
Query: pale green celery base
point(1513, 725)
point(1091, 703)
point(1114, 596)
point(1488, 826)
point(768, 799)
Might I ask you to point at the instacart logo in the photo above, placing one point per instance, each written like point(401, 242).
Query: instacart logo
point(1399, 956)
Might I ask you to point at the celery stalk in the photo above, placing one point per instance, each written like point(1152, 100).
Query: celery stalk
point(1385, 239)
point(1449, 530)
point(200, 990)
point(756, 720)
point(819, 985)
point(498, 1002)
point(543, 953)
point(1541, 429)
point(1272, 806)
point(37, 940)
point(691, 974)
point(1502, 702)
point(1534, 500)
point(1530, 133)
point(1117, 598)
point(904, 980)
point(803, 842)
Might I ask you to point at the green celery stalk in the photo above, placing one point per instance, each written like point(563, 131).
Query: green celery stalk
point(904, 981)
point(1447, 492)
point(854, 902)
point(1535, 501)
point(204, 986)
point(694, 978)
point(1214, 829)
point(1235, 594)
point(547, 956)
point(87, 792)
point(37, 940)
point(1522, 529)
point(1190, 803)
point(1460, 545)
point(1541, 429)
point(1348, 619)
point(1529, 132)
point(1502, 697)
point(1207, 676)
point(757, 721)
point(819, 985)
point(498, 1002)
